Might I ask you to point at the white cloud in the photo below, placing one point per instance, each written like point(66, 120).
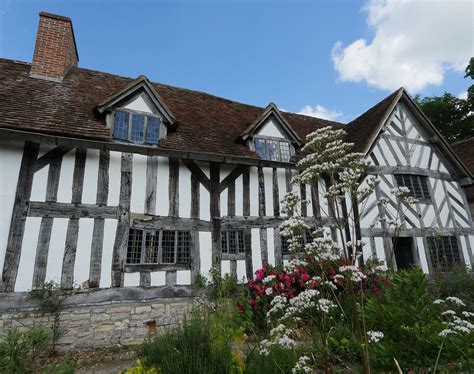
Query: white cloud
point(414, 44)
point(463, 95)
point(320, 112)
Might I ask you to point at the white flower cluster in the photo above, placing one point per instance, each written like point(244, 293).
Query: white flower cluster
point(290, 203)
point(279, 336)
point(302, 366)
point(323, 249)
point(269, 279)
point(455, 324)
point(374, 336)
point(356, 275)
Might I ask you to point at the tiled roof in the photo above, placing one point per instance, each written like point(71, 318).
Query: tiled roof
point(205, 123)
point(361, 131)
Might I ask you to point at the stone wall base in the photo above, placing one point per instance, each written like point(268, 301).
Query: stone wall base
point(102, 324)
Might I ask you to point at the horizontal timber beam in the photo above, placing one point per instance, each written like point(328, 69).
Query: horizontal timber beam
point(388, 170)
point(140, 149)
point(428, 231)
point(68, 210)
point(171, 223)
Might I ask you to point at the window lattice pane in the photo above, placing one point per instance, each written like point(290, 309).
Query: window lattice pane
point(241, 243)
point(444, 252)
point(224, 241)
point(285, 248)
point(184, 247)
point(285, 151)
point(167, 247)
point(134, 248)
point(121, 126)
point(152, 239)
point(153, 130)
point(260, 148)
point(273, 152)
point(138, 128)
point(232, 242)
point(417, 184)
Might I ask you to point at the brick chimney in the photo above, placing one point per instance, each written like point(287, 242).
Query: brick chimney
point(55, 48)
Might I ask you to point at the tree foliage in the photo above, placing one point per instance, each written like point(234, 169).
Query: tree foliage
point(452, 116)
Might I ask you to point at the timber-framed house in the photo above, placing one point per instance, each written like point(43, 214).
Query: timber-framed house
point(111, 182)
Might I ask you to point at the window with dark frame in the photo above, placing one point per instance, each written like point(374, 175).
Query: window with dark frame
point(136, 127)
point(444, 252)
point(417, 184)
point(272, 149)
point(285, 248)
point(232, 241)
point(145, 246)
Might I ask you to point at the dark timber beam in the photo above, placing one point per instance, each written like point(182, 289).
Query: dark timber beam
point(121, 235)
point(95, 266)
point(54, 154)
point(44, 237)
point(19, 214)
point(72, 234)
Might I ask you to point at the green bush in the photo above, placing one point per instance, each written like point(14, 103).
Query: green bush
point(411, 324)
point(19, 351)
point(189, 348)
point(458, 282)
point(278, 360)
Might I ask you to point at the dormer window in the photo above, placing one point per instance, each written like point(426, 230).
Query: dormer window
point(136, 127)
point(273, 149)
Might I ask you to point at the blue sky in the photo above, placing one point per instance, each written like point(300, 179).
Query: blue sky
point(261, 51)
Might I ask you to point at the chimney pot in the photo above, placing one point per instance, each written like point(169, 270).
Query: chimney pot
point(55, 48)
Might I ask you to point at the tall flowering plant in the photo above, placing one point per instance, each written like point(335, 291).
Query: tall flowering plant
point(302, 299)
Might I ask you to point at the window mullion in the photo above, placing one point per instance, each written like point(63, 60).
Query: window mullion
point(175, 247)
point(143, 250)
point(160, 247)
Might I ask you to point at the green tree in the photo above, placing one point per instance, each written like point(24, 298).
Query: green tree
point(454, 117)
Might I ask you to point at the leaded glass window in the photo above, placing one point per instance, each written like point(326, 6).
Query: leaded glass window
point(417, 184)
point(121, 125)
point(273, 149)
point(136, 127)
point(158, 247)
point(444, 251)
point(232, 241)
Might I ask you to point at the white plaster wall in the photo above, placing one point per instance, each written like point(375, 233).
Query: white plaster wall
point(83, 251)
point(268, 180)
point(253, 191)
point(271, 245)
point(465, 251)
point(110, 228)
point(163, 175)
point(184, 192)
point(205, 248)
point(24, 279)
point(40, 181)
point(56, 250)
point(422, 255)
point(131, 279)
point(11, 153)
point(270, 128)
point(256, 256)
point(137, 200)
point(139, 105)
point(114, 178)
point(65, 177)
point(239, 196)
point(91, 173)
point(158, 278)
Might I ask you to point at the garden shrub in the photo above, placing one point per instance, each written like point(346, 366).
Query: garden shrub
point(278, 360)
point(458, 282)
point(189, 348)
point(411, 324)
point(19, 351)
